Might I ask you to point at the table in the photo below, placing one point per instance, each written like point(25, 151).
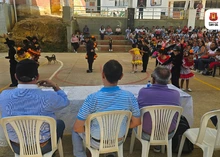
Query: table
point(77, 95)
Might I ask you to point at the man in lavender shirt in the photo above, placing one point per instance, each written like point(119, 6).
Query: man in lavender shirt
point(158, 94)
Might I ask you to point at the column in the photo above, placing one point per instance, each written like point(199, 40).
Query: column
point(191, 17)
point(171, 9)
point(202, 14)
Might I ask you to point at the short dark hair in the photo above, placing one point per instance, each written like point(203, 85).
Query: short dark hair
point(113, 71)
point(27, 70)
point(162, 75)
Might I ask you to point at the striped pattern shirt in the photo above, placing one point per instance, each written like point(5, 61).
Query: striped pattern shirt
point(28, 99)
point(108, 99)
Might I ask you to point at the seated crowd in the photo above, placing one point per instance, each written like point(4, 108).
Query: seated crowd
point(202, 43)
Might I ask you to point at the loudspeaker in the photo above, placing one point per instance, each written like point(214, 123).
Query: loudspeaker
point(130, 19)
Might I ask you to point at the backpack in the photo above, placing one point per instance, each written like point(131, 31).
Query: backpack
point(188, 146)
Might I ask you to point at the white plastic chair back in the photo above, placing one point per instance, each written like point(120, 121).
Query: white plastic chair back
point(161, 117)
point(27, 129)
point(203, 126)
point(110, 124)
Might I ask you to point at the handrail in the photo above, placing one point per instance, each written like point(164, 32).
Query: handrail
point(148, 12)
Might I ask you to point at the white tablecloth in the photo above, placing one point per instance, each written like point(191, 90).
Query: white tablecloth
point(77, 95)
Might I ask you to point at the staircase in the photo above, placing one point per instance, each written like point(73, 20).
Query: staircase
point(119, 44)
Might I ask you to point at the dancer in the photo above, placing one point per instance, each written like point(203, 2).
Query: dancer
point(136, 57)
point(185, 72)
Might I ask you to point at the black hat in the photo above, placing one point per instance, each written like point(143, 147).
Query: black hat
point(10, 42)
point(27, 70)
point(176, 48)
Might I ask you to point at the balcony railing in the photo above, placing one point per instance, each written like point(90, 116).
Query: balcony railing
point(148, 13)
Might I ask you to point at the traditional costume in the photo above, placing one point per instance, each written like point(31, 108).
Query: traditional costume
point(185, 72)
point(163, 61)
point(136, 57)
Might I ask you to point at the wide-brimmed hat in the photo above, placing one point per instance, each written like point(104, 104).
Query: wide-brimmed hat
point(176, 48)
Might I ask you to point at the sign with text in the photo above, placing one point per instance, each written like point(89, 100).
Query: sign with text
point(212, 19)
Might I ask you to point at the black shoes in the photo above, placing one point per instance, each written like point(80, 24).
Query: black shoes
point(89, 71)
point(143, 71)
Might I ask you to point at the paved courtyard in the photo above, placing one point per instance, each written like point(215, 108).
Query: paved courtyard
point(70, 70)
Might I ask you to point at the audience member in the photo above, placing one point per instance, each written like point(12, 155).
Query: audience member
point(127, 33)
point(158, 94)
point(28, 99)
point(86, 31)
point(75, 42)
point(109, 98)
point(108, 30)
point(118, 30)
point(102, 32)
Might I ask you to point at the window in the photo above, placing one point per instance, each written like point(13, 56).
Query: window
point(155, 2)
point(121, 2)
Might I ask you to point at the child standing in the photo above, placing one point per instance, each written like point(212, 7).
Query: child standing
point(185, 72)
point(110, 44)
point(136, 57)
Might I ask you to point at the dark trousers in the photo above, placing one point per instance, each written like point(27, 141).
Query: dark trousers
point(12, 72)
point(175, 78)
point(110, 46)
point(102, 36)
point(90, 61)
point(47, 147)
point(140, 16)
point(145, 59)
point(203, 63)
point(75, 46)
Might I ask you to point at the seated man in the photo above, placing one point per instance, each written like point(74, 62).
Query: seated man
point(108, 30)
point(158, 94)
point(118, 30)
point(28, 99)
point(109, 98)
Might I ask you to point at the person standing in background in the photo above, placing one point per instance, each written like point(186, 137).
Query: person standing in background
point(141, 9)
point(110, 44)
point(75, 43)
point(12, 61)
point(90, 53)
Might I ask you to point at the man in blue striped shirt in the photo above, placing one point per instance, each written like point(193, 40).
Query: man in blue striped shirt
point(28, 99)
point(108, 98)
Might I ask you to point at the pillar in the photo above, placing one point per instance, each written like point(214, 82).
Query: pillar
point(171, 9)
point(202, 14)
point(130, 18)
point(67, 17)
point(191, 17)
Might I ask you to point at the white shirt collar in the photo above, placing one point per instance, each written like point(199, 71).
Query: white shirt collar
point(27, 86)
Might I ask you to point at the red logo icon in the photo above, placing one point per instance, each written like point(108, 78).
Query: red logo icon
point(213, 16)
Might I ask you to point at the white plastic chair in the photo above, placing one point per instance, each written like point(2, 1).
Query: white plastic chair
point(161, 116)
point(110, 124)
point(208, 139)
point(27, 129)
